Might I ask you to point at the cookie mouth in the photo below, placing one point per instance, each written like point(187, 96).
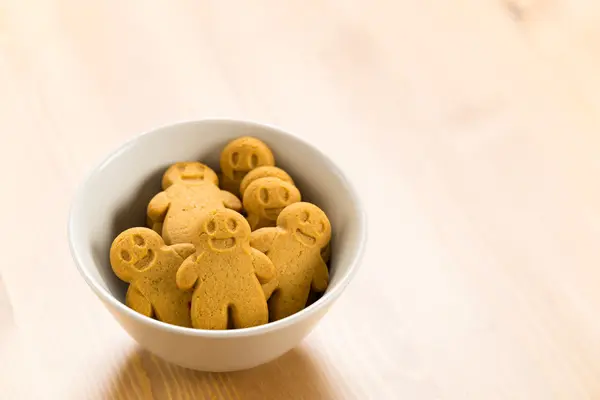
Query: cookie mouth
point(145, 261)
point(273, 213)
point(222, 244)
point(192, 177)
point(305, 239)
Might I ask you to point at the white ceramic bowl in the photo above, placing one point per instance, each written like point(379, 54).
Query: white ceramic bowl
point(115, 195)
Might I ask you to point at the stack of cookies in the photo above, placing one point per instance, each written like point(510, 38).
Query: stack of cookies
point(211, 261)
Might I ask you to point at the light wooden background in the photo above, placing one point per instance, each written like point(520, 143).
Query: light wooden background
point(471, 127)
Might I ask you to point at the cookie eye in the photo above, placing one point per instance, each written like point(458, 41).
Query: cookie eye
point(232, 225)
point(284, 194)
point(198, 172)
point(181, 167)
point(211, 227)
point(263, 195)
point(253, 161)
point(235, 158)
point(304, 216)
point(321, 227)
point(125, 256)
point(139, 241)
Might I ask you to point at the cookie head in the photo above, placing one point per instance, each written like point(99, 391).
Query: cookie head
point(244, 154)
point(224, 230)
point(264, 172)
point(134, 250)
point(189, 172)
point(307, 223)
point(267, 197)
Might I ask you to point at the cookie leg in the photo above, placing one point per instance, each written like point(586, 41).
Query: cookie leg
point(208, 314)
point(269, 287)
point(247, 314)
point(286, 301)
point(135, 299)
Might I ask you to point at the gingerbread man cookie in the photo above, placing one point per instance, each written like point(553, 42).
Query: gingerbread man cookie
point(294, 247)
point(189, 190)
point(264, 172)
point(140, 257)
point(265, 198)
point(226, 274)
point(241, 156)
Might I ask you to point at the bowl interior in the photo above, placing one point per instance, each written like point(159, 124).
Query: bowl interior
point(115, 195)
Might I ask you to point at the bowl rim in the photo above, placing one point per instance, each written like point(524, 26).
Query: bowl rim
point(325, 300)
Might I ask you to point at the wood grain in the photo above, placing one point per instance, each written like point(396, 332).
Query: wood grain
point(471, 128)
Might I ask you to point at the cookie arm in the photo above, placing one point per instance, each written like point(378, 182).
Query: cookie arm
point(136, 301)
point(269, 287)
point(231, 201)
point(326, 253)
point(320, 278)
point(262, 239)
point(187, 274)
point(263, 267)
point(183, 249)
point(157, 227)
point(158, 207)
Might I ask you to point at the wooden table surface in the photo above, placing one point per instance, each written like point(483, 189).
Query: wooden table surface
point(470, 126)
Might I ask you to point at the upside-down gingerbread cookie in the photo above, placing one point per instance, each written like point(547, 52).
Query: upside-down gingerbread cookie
point(189, 190)
point(264, 199)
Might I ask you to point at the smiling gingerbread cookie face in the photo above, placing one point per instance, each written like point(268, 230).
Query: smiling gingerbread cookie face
point(224, 231)
point(134, 252)
point(188, 172)
point(308, 223)
point(265, 198)
point(241, 156)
